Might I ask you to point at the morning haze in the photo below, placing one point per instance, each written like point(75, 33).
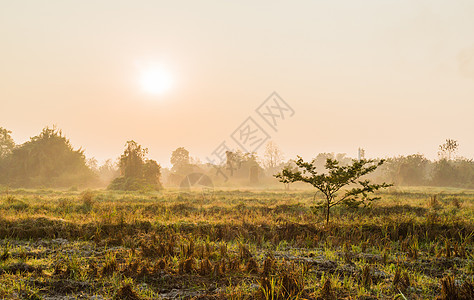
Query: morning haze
point(408, 64)
point(246, 150)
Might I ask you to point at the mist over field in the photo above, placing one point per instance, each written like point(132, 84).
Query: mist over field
point(49, 160)
point(237, 150)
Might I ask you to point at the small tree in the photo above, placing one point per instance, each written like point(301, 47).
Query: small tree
point(448, 149)
point(6, 147)
point(6, 143)
point(180, 160)
point(273, 155)
point(108, 171)
point(286, 178)
point(152, 172)
point(132, 160)
point(137, 172)
point(336, 177)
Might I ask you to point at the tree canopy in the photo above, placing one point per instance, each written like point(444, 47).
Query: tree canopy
point(47, 159)
point(336, 177)
point(6, 143)
point(448, 149)
point(137, 171)
point(180, 160)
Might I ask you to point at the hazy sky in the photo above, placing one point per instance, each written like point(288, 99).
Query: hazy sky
point(395, 77)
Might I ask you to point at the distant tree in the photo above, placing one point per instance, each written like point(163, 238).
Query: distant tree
point(48, 160)
point(361, 153)
point(137, 172)
point(455, 173)
point(286, 178)
point(408, 170)
point(465, 168)
point(195, 161)
point(250, 157)
point(448, 149)
point(93, 164)
point(247, 161)
point(233, 161)
point(6, 143)
point(444, 173)
point(180, 159)
point(108, 165)
point(273, 156)
point(132, 160)
point(6, 147)
point(243, 165)
point(152, 172)
point(335, 179)
point(108, 171)
point(320, 160)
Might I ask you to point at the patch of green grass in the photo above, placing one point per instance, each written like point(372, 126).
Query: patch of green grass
point(174, 244)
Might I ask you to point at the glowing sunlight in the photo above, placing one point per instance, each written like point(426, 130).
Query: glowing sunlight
point(155, 80)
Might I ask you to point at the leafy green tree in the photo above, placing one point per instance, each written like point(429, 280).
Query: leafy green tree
point(152, 172)
point(6, 147)
point(48, 159)
point(408, 170)
point(336, 177)
point(108, 171)
point(286, 179)
point(6, 143)
point(448, 149)
point(93, 164)
point(465, 168)
point(180, 160)
point(444, 173)
point(132, 160)
point(137, 172)
point(239, 164)
point(320, 160)
point(455, 173)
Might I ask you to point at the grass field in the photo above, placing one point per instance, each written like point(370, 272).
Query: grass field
point(414, 243)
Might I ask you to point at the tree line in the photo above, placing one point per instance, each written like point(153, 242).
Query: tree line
point(49, 160)
point(417, 170)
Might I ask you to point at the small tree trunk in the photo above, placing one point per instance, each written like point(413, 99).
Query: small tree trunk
point(327, 214)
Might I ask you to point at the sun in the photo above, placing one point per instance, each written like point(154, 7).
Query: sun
point(155, 80)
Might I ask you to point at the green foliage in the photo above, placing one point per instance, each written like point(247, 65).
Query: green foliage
point(151, 172)
point(459, 173)
point(6, 143)
point(132, 160)
point(138, 172)
point(46, 160)
point(180, 160)
point(408, 170)
point(448, 149)
point(108, 171)
point(239, 164)
point(6, 147)
point(320, 160)
point(284, 177)
point(416, 170)
point(336, 177)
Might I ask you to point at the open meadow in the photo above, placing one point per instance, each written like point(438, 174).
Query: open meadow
point(241, 150)
point(414, 243)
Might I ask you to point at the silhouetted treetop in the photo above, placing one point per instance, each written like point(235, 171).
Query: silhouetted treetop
point(47, 159)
